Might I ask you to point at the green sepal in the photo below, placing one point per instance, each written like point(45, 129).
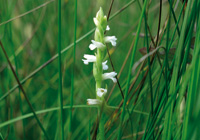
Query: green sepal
point(97, 73)
point(104, 23)
point(99, 36)
point(100, 14)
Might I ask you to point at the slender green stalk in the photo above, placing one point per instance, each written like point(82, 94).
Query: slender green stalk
point(11, 129)
point(176, 27)
point(89, 126)
point(60, 69)
point(166, 60)
point(174, 16)
point(129, 72)
point(188, 40)
point(149, 64)
point(73, 69)
point(101, 124)
point(166, 52)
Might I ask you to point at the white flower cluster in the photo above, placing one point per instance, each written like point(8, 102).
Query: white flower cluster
point(100, 21)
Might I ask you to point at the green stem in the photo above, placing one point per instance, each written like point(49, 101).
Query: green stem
point(60, 69)
point(89, 127)
point(149, 64)
point(98, 79)
point(73, 69)
point(101, 124)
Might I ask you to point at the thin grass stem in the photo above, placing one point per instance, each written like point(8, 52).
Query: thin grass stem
point(60, 70)
point(73, 69)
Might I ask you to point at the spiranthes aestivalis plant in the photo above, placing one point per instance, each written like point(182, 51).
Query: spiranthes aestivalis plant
point(99, 65)
point(99, 44)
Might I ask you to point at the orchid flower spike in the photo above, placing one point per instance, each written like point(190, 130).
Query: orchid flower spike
point(93, 101)
point(99, 43)
point(110, 75)
point(96, 44)
point(89, 58)
point(101, 92)
point(110, 39)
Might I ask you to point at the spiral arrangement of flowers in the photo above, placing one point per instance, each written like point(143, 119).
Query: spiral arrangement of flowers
point(99, 65)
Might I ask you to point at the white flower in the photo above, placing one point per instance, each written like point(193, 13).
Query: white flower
point(101, 92)
point(93, 101)
point(107, 28)
point(96, 44)
point(105, 66)
point(110, 75)
point(89, 58)
point(110, 39)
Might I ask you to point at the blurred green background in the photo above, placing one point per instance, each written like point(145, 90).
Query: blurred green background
point(31, 40)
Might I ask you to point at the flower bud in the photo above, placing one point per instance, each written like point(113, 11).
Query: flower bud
point(100, 14)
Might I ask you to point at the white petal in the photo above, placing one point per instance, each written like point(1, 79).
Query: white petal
point(88, 58)
point(92, 47)
point(110, 75)
point(114, 80)
point(107, 28)
point(105, 66)
point(101, 92)
point(86, 62)
point(110, 39)
point(96, 22)
point(96, 44)
point(93, 101)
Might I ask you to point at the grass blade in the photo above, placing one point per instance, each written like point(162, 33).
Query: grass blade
point(60, 70)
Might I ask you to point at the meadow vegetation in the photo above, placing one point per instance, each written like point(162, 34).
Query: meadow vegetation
point(44, 84)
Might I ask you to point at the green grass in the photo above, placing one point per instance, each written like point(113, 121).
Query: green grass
point(45, 42)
